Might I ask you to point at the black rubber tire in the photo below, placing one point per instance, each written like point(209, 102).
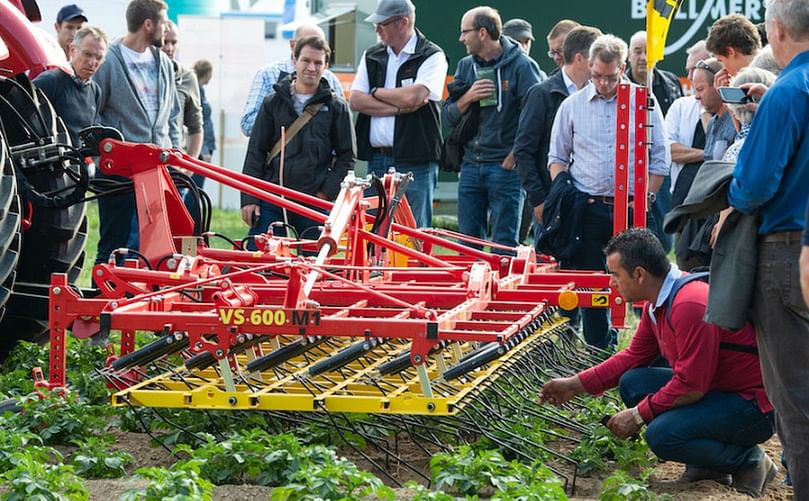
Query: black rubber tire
point(10, 240)
point(55, 241)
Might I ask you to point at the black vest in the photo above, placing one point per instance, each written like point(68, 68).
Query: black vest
point(417, 135)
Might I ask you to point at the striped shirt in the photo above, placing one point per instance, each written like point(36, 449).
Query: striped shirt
point(262, 87)
point(583, 139)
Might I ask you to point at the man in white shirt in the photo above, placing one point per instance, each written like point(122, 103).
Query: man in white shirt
point(397, 91)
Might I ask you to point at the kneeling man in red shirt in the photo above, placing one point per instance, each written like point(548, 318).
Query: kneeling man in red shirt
point(708, 409)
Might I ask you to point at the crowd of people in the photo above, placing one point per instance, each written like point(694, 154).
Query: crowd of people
point(728, 188)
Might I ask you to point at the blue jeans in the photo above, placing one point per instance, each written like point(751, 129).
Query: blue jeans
point(419, 192)
point(304, 227)
point(188, 197)
point(596, 232)
point(489, 191)
point(719, 432)
point(117, 221)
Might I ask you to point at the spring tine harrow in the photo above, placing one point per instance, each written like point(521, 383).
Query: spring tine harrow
point(431, 340)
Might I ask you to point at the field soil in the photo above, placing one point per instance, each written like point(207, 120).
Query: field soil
point(663, 481)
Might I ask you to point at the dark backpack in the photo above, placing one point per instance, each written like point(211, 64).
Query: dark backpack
point(703, 276)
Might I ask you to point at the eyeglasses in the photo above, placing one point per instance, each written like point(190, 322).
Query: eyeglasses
point(554, 53)
point(388, 21)
point(464, 32)
point(702, 65)
point(607, 79)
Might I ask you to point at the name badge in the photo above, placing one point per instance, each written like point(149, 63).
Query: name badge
point(407, 82)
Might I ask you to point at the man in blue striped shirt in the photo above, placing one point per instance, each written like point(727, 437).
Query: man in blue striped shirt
point(583, 142)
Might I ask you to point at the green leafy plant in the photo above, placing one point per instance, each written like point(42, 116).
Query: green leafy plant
point(94, 460)
point(594, 452)
point(487, 472)
point(621, 486)
point(252, 456)
point(421, 493)
point(181, 481)
point(334, 478)
point(82, 359)
point(31, 479)
point(13, 441)
point(58, 418)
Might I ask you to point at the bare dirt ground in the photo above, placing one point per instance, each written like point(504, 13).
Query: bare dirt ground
point(663, 481)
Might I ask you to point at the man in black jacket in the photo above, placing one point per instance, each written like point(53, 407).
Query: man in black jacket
point(317, 158)
point(536, 119)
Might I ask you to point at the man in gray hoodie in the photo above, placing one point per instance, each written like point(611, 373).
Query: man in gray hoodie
point(499, 75)
point(139, 98)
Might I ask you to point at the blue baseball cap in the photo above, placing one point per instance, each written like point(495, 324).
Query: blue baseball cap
point(70, 12)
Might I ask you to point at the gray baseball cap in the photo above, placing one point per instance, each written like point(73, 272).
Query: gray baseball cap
point(518, 29)
point(387, 9)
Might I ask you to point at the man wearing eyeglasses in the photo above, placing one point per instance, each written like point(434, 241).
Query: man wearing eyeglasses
point(499, 75)
point(397, 91)
point(536, 119)
point(556, 41)
point(583, 143)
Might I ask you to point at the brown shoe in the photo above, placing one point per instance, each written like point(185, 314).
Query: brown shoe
point(695, 474)
point(753, 481)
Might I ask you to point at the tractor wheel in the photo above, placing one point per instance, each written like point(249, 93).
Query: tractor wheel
point(54, 242)
point(9, 239)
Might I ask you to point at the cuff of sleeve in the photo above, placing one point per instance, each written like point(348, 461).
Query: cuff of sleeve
point(537, 197)
point(591, 382)
point(645, 410)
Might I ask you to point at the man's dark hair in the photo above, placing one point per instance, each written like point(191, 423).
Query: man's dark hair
point(203, 68)
point(138, 11)
point(762, 33)
point(314, 42)
point(639, 247)
point(578, 41)
point(488, 19)
point(733, 31)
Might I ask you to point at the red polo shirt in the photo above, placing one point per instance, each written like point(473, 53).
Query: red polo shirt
point(692, 349)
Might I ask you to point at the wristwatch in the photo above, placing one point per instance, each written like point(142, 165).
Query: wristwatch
point(637, 417)
point(373, 91)
point(651, 197)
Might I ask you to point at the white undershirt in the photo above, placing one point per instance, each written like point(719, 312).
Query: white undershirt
point(142, 69)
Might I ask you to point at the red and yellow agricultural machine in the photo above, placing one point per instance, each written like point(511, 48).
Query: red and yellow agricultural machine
point(415, 327)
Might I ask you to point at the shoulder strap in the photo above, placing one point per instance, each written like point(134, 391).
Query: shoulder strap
point(679, 284)
point(308, 113)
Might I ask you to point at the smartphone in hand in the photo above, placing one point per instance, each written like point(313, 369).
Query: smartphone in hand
point(734, 95)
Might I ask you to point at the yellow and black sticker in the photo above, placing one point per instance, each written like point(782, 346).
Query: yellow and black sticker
point(268, 317)
point(600, 299)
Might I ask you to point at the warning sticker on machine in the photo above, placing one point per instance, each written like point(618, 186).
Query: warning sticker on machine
point(269, 317)
point(600, 299)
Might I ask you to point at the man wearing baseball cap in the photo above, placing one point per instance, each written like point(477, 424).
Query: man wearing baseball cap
point(69, 20)
point(397, 92)
point(521, 31)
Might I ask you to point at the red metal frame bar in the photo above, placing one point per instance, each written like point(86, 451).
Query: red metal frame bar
point(641, 160)
point(426, 299)
point(620, 210)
